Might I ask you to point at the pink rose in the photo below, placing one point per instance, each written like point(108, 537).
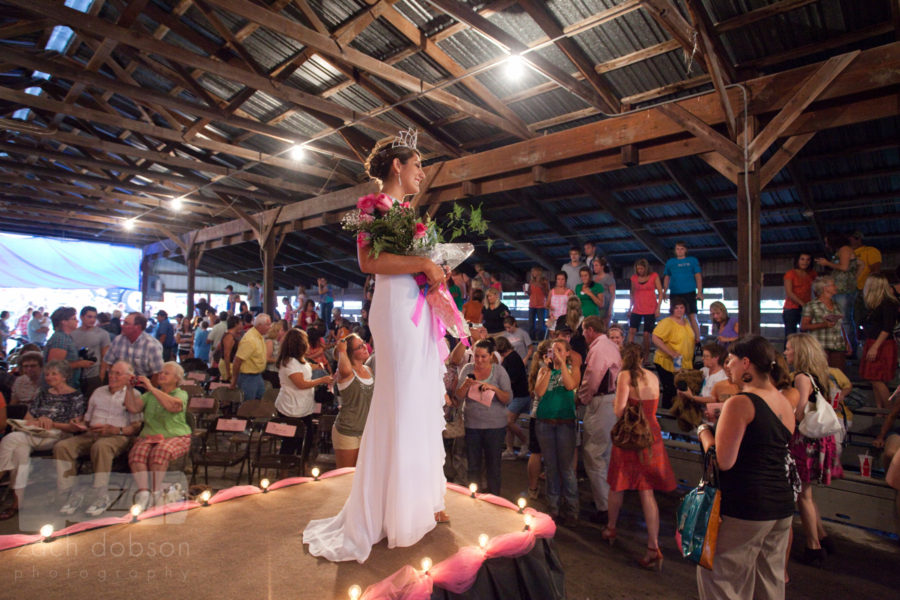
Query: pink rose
point(366, 204)
point(421, 230)
point(366, 218)
point(404, 205)
point(362, 239)
point(383, 203)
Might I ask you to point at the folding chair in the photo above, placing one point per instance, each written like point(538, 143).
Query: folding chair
point(270, 434)
point(229, 399)
point(208, 453)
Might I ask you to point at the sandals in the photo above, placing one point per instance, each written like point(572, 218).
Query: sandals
point(10, 512)
point(441, 517)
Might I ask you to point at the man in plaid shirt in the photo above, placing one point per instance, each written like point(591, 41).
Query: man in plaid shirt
point(136, 347)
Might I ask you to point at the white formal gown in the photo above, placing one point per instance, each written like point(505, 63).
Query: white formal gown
point(399, 480)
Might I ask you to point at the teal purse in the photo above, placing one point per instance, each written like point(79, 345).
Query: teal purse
point(697, 519)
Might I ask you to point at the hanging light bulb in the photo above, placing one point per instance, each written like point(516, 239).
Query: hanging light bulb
point(515, 66)
point(297, 152)
point(128, 224)
point(177, 204)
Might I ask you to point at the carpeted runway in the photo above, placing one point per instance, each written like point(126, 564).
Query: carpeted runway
point(248, 547)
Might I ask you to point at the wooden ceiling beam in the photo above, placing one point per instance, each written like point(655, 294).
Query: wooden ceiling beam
point(150, 45)
point(541, 15)
point(326, 45)
point(717, 65)
point(433, 51)
point(812, 87)
point(788, 150)
point(606, 102)
point(703, 205)
point(756, 15)
point(40, 102)
point(871, 70)
point(608, 203)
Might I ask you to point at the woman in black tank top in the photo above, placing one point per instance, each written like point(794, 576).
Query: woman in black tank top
point(751, 442)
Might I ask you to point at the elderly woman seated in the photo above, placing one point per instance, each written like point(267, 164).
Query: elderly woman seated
point(54, 414)
point(165, 435)
point(108, 429)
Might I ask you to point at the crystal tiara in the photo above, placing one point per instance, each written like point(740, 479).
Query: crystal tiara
point(406, 139)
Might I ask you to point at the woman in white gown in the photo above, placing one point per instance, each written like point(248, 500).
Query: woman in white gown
point(398, 488)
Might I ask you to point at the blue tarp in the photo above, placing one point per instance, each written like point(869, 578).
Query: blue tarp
point(35, 262)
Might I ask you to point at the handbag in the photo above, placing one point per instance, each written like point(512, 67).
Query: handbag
point(632, 431)
point(698, 518)
point(819, 418)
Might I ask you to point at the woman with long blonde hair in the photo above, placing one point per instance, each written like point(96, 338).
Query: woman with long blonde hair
point(817, 458)
point(879, 356)
point(534, 447)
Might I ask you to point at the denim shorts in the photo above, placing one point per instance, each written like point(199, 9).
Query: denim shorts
point(519, 405)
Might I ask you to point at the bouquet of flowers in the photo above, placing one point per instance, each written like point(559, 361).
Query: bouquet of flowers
point(385, 225)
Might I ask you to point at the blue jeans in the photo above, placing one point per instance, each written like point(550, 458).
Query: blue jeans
point(252, 385)
point(537, 318)
point(558, 450)
point(487, 444)
point(845, 302)
point(327, 307)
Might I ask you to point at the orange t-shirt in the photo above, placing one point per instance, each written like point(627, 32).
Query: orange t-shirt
point(472, 311)
point(801, 285)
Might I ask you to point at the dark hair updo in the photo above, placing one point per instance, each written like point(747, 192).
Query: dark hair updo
point(761, 353)
point(378, 165)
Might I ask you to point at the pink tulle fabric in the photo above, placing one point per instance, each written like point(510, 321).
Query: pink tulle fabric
point(407, 583)
point(234, 492)
point(456, 573)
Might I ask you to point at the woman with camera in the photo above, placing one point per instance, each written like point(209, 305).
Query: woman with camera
point(555, 427)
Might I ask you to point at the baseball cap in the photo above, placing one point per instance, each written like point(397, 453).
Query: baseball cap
point(562, 326)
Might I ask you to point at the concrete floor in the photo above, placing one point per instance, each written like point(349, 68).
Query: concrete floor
point(865, 567)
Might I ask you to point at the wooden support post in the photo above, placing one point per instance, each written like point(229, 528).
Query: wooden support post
point(268, 291)
point(749, 254)
point(145, 281)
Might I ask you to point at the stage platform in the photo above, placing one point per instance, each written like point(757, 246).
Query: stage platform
point(250, 546)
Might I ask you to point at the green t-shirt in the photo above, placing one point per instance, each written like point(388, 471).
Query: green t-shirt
point(557, 402)
point(456, 293)
point(157, 420)
point(588, 308)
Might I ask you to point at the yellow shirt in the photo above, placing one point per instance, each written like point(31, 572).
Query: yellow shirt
point(679, 338)
point(867, 256)
point(252, 352)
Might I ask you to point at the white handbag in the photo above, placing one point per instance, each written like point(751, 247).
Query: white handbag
point(819, 418)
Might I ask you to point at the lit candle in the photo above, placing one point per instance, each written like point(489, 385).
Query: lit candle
point(46, 532)
point(205, 496)
point(527, 522)
point(264, 484)
point(355, 591)
point(483, 540)
point(522, 504)
point(315, 473)
point(135, 512)
point(473, 487)
point(426, 564)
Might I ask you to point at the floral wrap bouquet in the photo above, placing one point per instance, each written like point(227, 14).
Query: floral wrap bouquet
point(384, 224)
